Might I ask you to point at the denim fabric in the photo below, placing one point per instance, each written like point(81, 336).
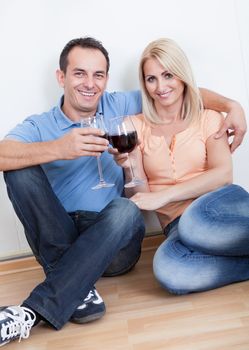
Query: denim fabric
point(126, 258)
point(74, 249)
point(208, 247)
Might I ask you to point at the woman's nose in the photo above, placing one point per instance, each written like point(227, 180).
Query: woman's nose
point(161, 85)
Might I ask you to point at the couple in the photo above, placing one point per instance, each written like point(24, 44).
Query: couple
point(78, 234)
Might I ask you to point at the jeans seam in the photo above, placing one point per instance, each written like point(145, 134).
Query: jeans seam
point(208, 211)
point(189, 256)
point(207, 256)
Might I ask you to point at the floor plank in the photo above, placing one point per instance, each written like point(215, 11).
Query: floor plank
point(142, 316)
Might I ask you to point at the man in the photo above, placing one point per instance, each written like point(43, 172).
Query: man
point(77, 234)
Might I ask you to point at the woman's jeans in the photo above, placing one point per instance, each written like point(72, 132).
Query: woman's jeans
point(208, 247)
point(74, 249)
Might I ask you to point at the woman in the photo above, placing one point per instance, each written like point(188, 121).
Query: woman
point(188, 176)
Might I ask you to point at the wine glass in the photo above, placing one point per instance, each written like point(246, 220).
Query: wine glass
point(97, 122)
point(123, 136)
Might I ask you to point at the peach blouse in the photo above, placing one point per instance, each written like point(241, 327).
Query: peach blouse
point(184, 159)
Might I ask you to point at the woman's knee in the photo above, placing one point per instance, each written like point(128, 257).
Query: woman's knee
point(170, 271)
point(185, 275)
point(230, 202)
point(219, 218)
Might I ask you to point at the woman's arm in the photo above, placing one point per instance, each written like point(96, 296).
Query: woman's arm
point(219, 173)
point(235, 119)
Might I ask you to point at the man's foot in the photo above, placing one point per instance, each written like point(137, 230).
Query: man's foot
point(92, 308)
point(15, 322)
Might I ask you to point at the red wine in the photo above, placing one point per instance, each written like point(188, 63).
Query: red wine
point(124, 143)
point(105, 136)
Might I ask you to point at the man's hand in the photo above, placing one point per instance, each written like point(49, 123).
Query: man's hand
point(81, 142)
point(235, 125)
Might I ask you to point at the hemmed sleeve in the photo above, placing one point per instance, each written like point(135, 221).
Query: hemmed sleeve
point(212, 122)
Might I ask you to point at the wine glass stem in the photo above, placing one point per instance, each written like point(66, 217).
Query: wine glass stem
point(101, 178)
point(131, 170)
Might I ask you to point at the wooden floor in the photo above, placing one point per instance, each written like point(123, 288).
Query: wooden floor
point(140, 316)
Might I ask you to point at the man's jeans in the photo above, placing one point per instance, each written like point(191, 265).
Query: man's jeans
point(208, 247)
point(74, 250)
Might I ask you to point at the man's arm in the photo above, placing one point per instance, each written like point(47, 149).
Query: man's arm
point(235, 119)
point(17, 155)
point(77, 143)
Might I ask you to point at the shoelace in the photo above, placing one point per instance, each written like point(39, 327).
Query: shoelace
point(19, 324)
point(96, 299)
point(86, 300)
point(90, 294)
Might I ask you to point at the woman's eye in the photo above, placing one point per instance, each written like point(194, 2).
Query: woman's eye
point(150, 79)
point(168, 76)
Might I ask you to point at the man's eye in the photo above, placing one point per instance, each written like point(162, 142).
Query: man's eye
point(78, 74)
point(100, 76)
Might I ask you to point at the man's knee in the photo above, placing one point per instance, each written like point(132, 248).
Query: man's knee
point(125, 215)
point(124, 207)
point(23, 177)
point(123, 263)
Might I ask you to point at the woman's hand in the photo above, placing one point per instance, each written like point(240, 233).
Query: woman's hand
point(120, 158)
point(236, 122)
point(149, 200)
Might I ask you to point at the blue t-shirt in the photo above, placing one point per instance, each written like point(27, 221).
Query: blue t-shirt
point(72, 180)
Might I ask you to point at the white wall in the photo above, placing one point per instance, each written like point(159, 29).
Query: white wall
point(213, 33)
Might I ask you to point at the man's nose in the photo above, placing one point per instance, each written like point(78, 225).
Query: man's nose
point(89, 82)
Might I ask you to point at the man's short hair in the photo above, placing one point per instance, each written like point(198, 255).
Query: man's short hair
point(85, 43)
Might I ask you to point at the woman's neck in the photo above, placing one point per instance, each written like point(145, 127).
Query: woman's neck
point(169, 114)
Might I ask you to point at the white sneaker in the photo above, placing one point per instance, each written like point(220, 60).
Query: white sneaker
point(92, 308)
point(15, 322)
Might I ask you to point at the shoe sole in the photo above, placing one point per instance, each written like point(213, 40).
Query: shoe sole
point(6, 342)
point(89, 318)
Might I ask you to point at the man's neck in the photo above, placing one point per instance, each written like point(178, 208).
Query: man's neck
point(75, 115)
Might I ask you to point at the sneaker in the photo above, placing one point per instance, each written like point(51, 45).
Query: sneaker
point(92, 308)
point(15, 322)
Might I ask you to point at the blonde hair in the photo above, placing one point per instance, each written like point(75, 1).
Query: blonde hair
point(174, 60)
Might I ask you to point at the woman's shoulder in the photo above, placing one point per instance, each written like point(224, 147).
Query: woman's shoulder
point(211, 121)
point(209, 114)
point(139, 120)
point(140, 117)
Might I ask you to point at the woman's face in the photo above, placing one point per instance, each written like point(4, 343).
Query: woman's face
point(163, 87)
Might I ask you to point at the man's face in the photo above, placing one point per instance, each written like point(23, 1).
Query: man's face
point(84, 82)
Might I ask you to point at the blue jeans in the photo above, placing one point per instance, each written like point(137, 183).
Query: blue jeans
point(208, 246)
point(74, 249)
